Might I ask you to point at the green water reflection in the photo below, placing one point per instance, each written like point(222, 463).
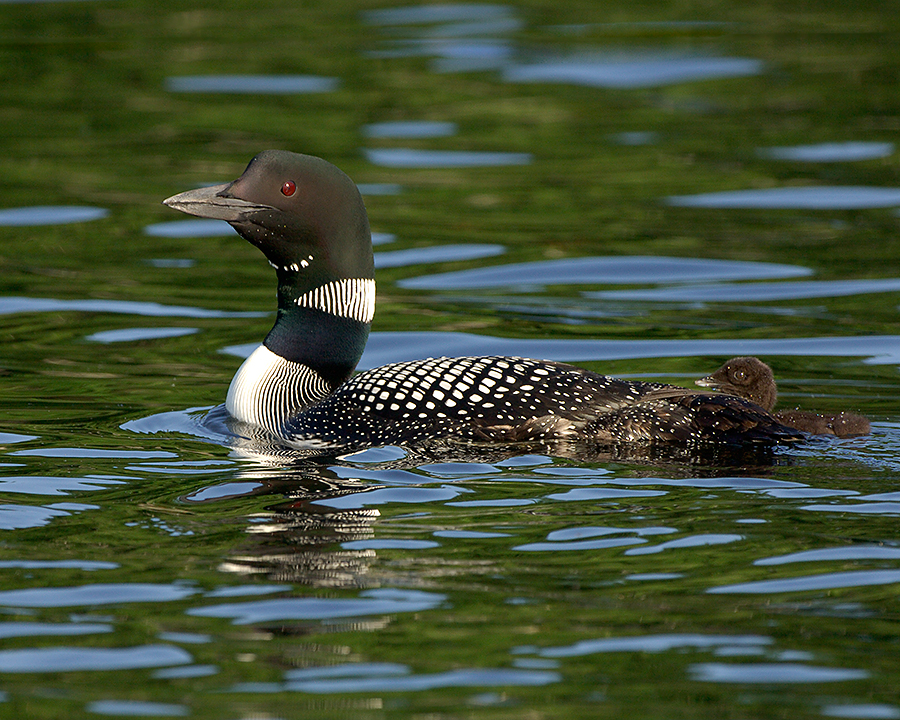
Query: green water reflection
point(510, 587)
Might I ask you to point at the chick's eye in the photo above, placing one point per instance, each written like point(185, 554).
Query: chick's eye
point(289, 188)
point(740, 375)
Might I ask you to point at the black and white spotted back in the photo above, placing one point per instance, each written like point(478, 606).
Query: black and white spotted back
point(506, 399)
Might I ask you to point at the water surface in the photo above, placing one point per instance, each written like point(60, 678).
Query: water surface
point(642, 191)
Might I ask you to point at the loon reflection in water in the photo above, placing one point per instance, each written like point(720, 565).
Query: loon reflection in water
point(308, 219)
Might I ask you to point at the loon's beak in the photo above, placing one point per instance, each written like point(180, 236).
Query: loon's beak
point(213, 202)
point(708, 382)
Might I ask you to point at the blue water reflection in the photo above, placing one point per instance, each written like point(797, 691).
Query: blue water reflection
point(794, 198)
point(263, 84)
point(772, 673)
point(382, 238)
point(370, 602)
point(86, 565)
point(463, 55)
point(691, 541)
point(410, 158)
point(50, 215)
point(635, 137)
point(12, 305)
point(436, 254)
point(138, 334)
point(600, 270)
point(654, 644)
point(126, 708)
point(853, 552)
point(759, 292)
point(862, 711)
point(825, 581)
point(50, 485)
point(410, 129)
point(190, 229)
point(631, 70)
point(379, 188)
point(169, 263)
point(9, 438)
point(443, 13)
point(45, 629)
point(830, 152)
point(95, 594)
point(186, 671)
point(20, 517)
point(71, 659)
point(383, 348)
point(499, 26)
point(393, 677)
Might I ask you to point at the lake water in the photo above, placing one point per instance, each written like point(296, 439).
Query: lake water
point(642, 190)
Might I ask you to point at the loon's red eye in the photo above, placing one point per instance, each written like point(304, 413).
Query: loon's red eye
point(289, 188)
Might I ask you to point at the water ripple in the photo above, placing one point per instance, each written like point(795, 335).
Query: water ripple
point(632, 70)
point(387, 347)
point(139, 334)
point(826, 581)
point(452, 678)
point(410, 129)
point(794, 198)
point(27, 629)
point(600, 270)
point(137, 707)
point(436, 254)
point(97, 594)
point(13, 305)
point(854, 552)
point(250, 84)
point(65, 659)
point(830, 152)
point(190, 229)
point(50, 215)
point(50, 485)
point(654, 644)
point(772, 673)
point(758, 292)
point(862, 711)
point(410, 158)
point(370, 602)
point(703, 540)
point(85, 565)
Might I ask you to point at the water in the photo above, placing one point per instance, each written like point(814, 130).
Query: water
point(641, 191)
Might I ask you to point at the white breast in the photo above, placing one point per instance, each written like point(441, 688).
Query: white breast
point(267, 389)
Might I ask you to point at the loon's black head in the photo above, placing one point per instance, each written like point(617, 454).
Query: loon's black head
point(305, 215)
point(747, 377)
point(309, 220)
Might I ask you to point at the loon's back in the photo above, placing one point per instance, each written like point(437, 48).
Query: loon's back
point(510, 399)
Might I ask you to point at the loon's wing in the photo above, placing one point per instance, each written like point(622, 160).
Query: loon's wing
point(669, 413)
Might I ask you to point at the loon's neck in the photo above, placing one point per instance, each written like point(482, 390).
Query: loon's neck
point(318, 338)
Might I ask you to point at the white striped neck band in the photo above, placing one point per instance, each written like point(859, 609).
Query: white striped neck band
point(350, 298)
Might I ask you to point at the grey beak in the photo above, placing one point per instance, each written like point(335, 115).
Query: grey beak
point(207, 202)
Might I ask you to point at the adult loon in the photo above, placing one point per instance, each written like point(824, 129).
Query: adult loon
point(308, 219)
point(751, 378)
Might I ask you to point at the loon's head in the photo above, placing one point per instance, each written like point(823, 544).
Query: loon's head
point(747, 377)
point(305, 215)
point(308, 219)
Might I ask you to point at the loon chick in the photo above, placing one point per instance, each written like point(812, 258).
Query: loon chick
point(308, 219)
point(751, 378)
